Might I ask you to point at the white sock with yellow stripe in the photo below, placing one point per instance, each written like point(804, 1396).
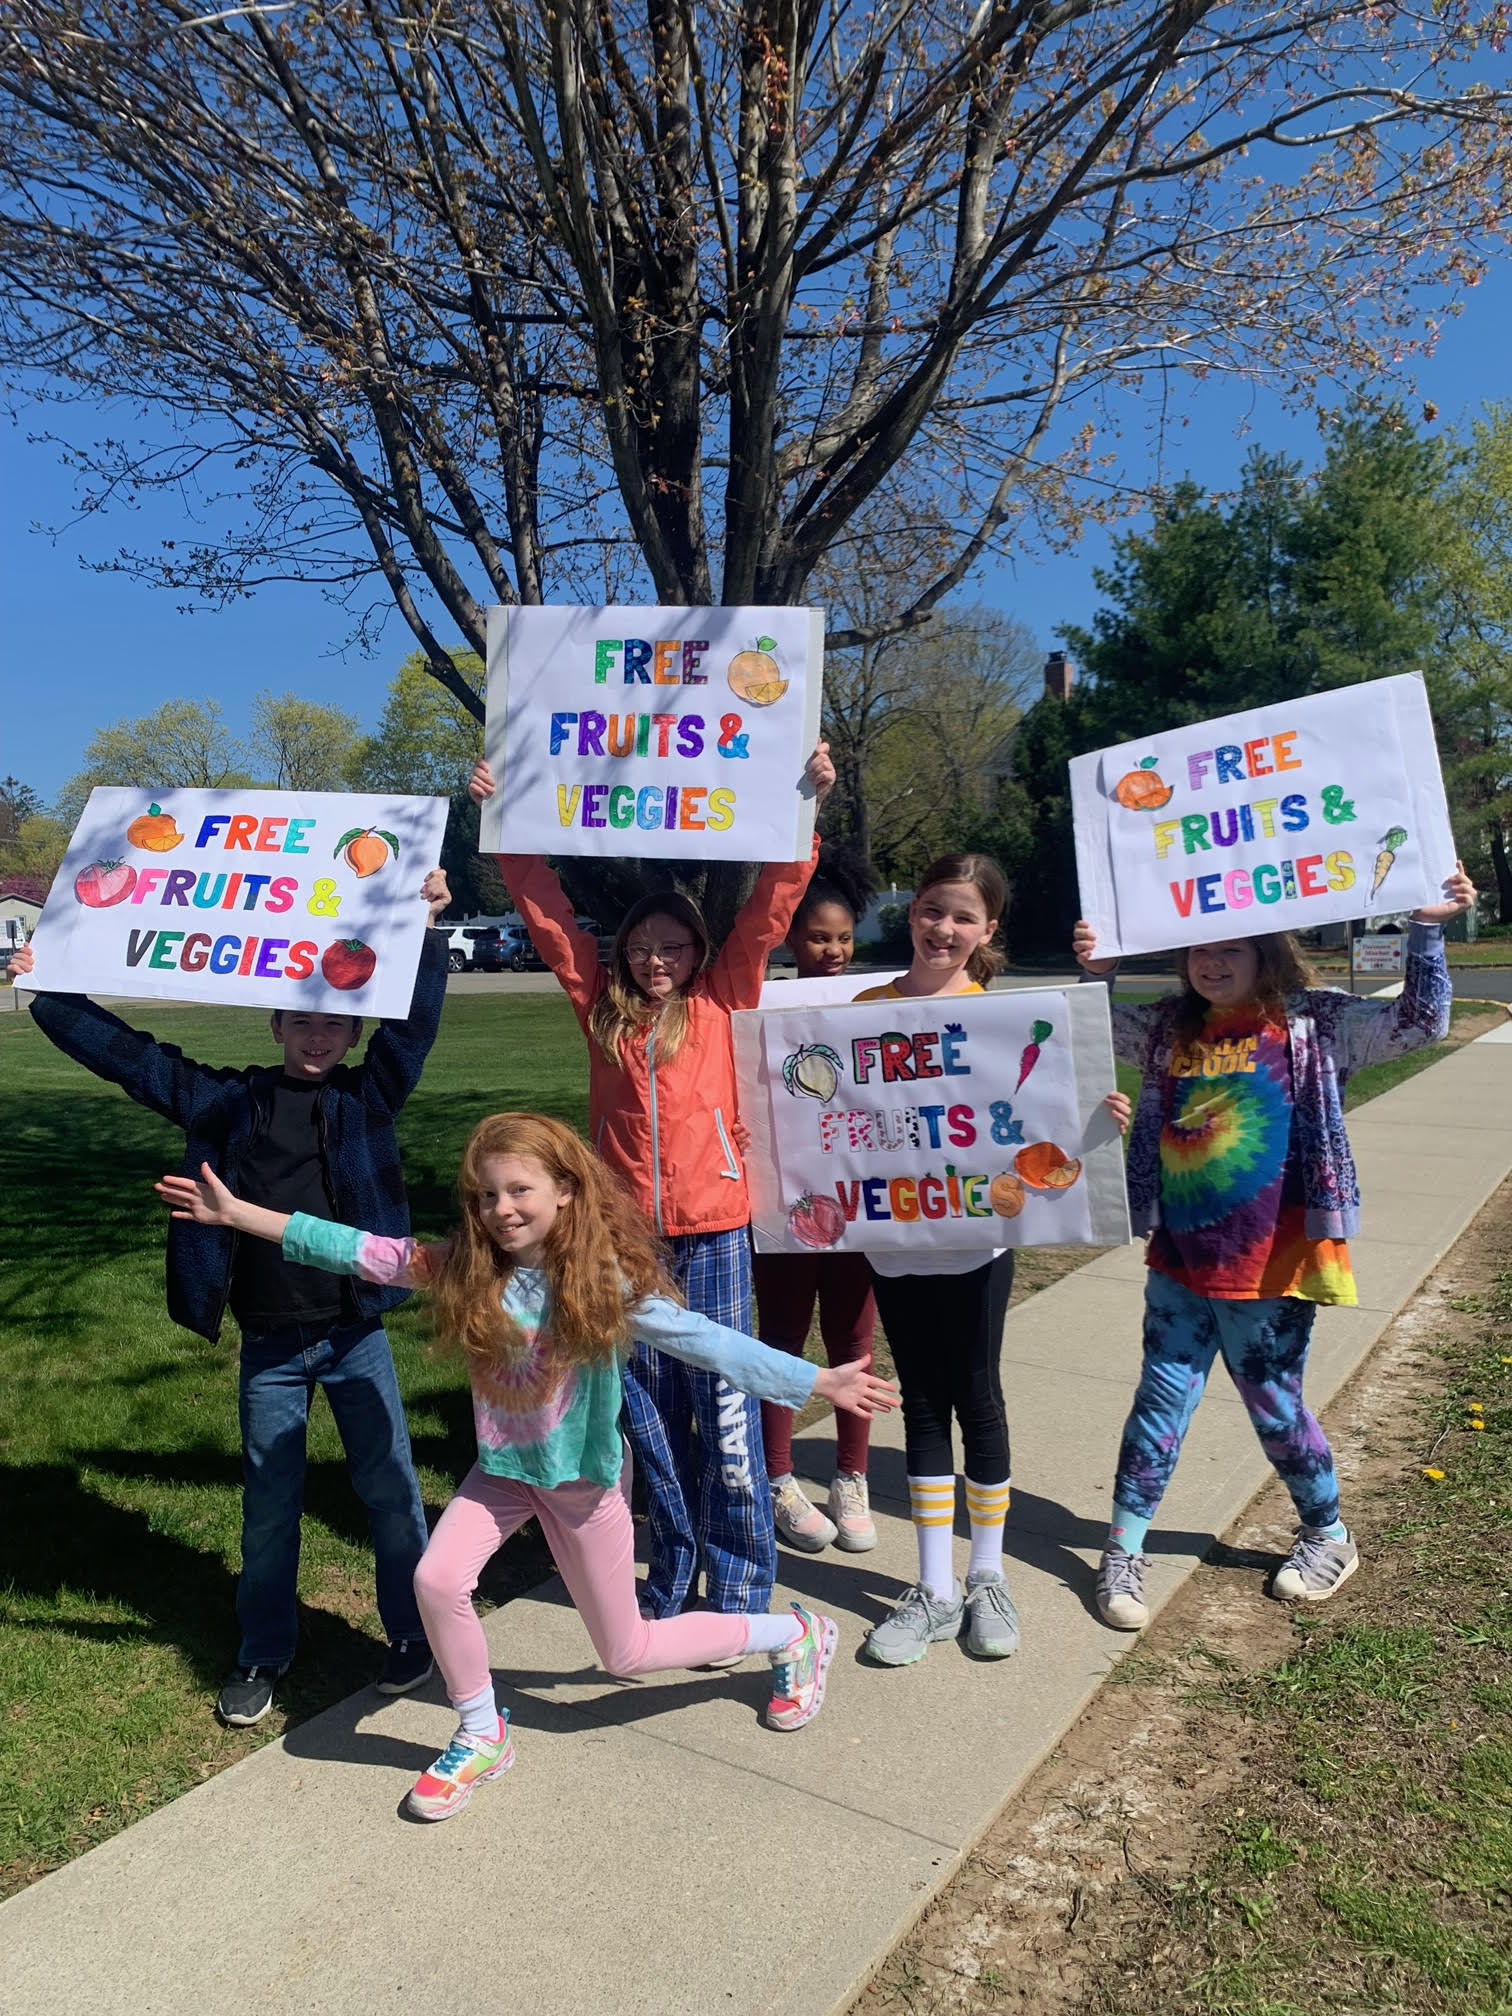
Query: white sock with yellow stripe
point(987, 1508)
point(931, 1500)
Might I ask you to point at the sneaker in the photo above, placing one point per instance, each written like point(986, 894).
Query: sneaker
point(409, 1664)
point(801, 1524)
point(1120, 1590)
point(921, 1619)
point(992, 1625)
point(850, 1510)
point(799, 1673)
point(248, 1695)
point(1316, 1568)
point(465, 1762)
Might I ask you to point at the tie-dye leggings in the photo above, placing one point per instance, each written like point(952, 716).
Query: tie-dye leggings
point(1264, 1346)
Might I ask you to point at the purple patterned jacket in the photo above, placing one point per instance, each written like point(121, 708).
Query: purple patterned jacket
point(1332, 1036)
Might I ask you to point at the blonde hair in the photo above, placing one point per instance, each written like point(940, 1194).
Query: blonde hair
point(623, 1011)
point(600, 1255)
point(991, 884)
point(1280, 969)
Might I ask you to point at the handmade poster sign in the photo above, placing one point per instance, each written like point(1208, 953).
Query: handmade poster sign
point(1279, 819)
point(658, 733)
point(971, 1120)
point(266, 899)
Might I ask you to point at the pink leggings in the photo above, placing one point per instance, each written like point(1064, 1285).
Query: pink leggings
point(592, 1542)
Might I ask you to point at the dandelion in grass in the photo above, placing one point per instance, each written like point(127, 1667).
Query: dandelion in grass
point(1433, 1476)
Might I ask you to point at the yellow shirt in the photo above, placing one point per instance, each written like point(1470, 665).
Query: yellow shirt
point(891, 993)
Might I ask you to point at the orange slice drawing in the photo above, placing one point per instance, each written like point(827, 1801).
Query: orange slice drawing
point(1043, 1166)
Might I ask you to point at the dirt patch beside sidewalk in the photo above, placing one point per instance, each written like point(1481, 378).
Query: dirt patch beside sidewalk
point(1279, 1814)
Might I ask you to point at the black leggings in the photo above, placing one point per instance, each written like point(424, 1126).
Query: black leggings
point(946, 1336)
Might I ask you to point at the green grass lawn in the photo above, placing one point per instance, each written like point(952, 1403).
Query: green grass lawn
point(119, 1455)
point(120, 1470)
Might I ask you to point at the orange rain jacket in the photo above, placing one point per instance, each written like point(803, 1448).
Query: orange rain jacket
point(667, 1129)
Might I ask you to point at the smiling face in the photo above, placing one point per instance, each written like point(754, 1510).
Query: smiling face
point(823, 940)
point(518, 1200)
point(313, 1045)
point(947, 922)
point(1224, 974)
point(660, 952)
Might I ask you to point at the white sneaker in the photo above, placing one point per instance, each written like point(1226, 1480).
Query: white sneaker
point(801, 1524)
point(1316, 1568)
point(849, 1509)
point(1120, 1590)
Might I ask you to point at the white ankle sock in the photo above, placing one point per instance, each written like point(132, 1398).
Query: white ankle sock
point(480, 1715)
point(773, 1632)
point(987, 1506)
point(931, 1500)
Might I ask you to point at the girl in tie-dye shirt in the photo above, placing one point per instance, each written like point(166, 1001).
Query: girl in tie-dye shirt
point(549, 1279)
point(1240, 1171)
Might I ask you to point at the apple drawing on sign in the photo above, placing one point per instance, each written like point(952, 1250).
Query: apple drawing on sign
point(348, 964)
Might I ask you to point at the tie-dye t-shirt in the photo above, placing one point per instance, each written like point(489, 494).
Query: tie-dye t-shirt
point(1232, 1221)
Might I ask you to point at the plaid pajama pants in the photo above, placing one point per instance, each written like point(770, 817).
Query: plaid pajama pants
point(697, 1444)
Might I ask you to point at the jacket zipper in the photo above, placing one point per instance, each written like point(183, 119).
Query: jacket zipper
point(228, 1177)
point(732, 1167)
point(656, 1208)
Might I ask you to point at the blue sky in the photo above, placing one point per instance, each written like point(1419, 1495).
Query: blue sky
point(81, 649)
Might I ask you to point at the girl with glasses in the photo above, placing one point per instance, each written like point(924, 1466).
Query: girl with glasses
point(661, 1110)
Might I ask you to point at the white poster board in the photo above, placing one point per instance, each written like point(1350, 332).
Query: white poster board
point(1278, 819)
point(970, 1120)
point(660, 733)
point(822, 991)
point(256, 899)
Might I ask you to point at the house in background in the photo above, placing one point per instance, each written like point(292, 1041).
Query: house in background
point(21, 900)
point(1060, 677)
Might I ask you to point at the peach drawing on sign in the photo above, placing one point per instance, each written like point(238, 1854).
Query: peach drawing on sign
point(154, 831)
point(755, 676)
point(813, 1069)
point(1142, 790)
point(366, 848)
point(1043, 1166)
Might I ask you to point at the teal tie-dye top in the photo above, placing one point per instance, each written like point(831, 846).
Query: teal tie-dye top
point(537, 1421)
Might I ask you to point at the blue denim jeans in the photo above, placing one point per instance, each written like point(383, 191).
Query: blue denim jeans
point(279, 1373)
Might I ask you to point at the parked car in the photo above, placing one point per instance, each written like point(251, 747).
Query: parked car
point(456, 949)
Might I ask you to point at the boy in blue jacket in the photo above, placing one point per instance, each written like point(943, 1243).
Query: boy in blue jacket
point(314, 1135)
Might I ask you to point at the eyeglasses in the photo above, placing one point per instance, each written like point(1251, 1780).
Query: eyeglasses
point(642, 955)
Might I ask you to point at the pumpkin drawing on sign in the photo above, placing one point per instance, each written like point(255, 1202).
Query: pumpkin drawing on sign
point(1142, 790)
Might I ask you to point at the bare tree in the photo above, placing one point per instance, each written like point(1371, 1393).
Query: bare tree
point(495, 300)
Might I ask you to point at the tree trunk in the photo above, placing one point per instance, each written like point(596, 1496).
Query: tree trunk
point(1503, 867)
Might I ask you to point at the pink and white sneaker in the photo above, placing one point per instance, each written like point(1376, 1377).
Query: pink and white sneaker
point(447, 1785)
point(800, 1671)
point(850, 1510)
point(801, 1524)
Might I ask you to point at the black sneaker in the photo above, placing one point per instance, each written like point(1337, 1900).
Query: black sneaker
point(248, 1695)
point(409, 1664)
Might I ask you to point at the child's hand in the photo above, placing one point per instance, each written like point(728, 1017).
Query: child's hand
point(1460, 891)
point(855, 1390)
point(23, 959)
point(207, 1203)
point(1084, 945)
point(436, 893)
point(481, 786)
point(740, 1134)
point(820, 772)
point(1121, 1107)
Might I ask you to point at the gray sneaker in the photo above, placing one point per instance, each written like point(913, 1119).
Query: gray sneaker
point(919, 1621)
point(1316, 1568)
point(1120, 1590)
point(992, 1625)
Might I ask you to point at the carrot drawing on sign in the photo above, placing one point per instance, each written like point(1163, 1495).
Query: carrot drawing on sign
point(1389, 844)
point(1039, 1032)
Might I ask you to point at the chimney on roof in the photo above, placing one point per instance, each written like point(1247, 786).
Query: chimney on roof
point(1060, 675)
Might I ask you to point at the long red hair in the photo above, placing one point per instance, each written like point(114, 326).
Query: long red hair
point(600, 1255)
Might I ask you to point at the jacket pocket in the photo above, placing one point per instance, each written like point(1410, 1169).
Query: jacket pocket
point(731, 1170)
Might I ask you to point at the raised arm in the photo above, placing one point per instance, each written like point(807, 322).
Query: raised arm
point(536, 893)
point(156, 1075)
point(397, 1051)
point(753, 1368)
point(1132, 1026)
point(735, 978)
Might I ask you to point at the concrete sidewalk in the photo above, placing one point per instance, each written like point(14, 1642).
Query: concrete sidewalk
point(656, 1849)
